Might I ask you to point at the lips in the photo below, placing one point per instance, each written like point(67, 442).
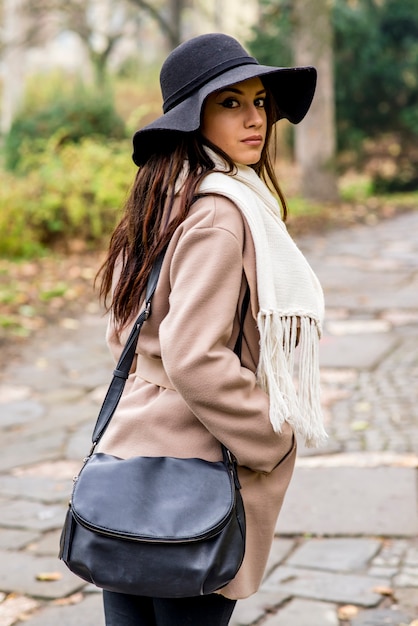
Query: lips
point(253, 140)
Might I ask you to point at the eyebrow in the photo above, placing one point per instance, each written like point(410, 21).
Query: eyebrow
point(238, 91)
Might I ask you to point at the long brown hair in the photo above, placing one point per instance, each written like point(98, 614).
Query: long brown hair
point(147, 226)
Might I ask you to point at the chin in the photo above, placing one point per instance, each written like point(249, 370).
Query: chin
point(251, 159)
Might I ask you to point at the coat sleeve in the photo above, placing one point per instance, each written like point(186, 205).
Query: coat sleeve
point(205, 275)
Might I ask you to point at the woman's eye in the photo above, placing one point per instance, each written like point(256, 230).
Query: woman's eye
point(260, 103)
point(230, 103)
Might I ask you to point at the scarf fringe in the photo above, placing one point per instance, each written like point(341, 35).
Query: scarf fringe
point(300, 404)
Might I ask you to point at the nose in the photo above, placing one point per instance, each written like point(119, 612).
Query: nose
point(254, 118)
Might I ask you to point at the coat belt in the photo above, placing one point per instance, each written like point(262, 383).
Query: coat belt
point(152, 371)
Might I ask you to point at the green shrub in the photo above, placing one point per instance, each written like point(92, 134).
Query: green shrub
point(405, 180)
point(70, 191)
point(67, 118)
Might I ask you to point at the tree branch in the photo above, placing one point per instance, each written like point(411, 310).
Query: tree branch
point(157, 16)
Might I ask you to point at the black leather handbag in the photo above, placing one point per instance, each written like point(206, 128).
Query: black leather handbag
point(153, 526)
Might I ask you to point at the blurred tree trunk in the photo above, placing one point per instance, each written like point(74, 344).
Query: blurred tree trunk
point(176, 12)
point(217, 15)
point(315, 142)
point(13, 62)
point(169, 23)
point(93, 23)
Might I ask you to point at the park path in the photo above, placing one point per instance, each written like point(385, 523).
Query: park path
point(346, 551)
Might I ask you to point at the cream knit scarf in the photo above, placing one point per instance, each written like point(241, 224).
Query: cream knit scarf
point(290, 299)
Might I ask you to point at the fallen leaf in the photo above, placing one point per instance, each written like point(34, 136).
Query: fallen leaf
point(359, 425)
point(347, 612)
point(76, 598)
point(384, 591)
point(48, 576)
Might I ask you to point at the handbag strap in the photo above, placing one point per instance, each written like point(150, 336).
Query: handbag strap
point(121, 373)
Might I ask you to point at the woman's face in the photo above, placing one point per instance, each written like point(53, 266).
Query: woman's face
point(235, 120)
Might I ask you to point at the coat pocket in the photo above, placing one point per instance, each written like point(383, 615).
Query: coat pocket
point(290, 452)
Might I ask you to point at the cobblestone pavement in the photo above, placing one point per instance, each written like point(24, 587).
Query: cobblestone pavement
point(346, 551)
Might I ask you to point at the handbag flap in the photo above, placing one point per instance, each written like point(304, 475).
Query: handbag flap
point(154, 498)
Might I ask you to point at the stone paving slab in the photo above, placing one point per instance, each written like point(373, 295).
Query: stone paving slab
point(71, 415)
point(408, 577)
point(28, 450)
point(342, 555)
point(59, 359)
point(29, 515)
point(355, 287)
point(89, 612)
point(407, 598)
point(370, 298)
point(251, 610)
point(41, 489)
point(16, 607)
point(280, 549)
point(412, 556)
point(382, 617)
point(47, 544)
point(79, 443)
point(297, 611)
point(326, 586)
point(40, 376)
point(362, 351)
point(19, 571)
point(14, 539)
point(57, 397)
point(20, 412)
point(351, 501)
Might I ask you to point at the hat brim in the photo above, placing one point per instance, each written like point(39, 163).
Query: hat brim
point(292, 89)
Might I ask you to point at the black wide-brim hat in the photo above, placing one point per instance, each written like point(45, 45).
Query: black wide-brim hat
point(205, 64)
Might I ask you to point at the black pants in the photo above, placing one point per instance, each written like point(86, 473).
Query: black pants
point(127, 610)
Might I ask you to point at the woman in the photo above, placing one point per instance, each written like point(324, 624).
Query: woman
point(200, 189)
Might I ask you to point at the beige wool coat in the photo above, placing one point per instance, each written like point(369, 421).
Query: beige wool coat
point(188, 390)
